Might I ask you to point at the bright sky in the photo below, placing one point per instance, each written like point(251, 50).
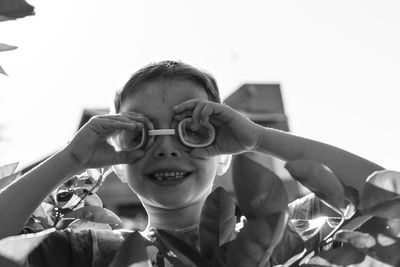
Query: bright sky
point(337, 62)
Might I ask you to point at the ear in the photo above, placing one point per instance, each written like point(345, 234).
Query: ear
point(120, 172)
point(223, 163)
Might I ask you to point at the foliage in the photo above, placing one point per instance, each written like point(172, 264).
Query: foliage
point(367, 232)
point(10, 10)
point(15, 9)
point(75, 205)
point(17, 248)
point(368, 237)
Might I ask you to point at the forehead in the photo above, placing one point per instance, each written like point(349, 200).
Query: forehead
point(161, 95)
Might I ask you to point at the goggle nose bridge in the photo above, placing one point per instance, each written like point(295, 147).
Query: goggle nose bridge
point(162, 132)
point(157, 132)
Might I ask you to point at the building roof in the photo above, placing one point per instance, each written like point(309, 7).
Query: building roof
point(262, 103)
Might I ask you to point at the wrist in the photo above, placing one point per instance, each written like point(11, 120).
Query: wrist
point(257, 140)
point(69, 161)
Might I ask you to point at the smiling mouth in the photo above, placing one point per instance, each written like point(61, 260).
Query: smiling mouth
point(168, 176)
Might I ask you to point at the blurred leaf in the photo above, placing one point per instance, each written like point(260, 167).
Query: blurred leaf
point(6, 47)
point(132, 253)
point(178, 252)
point(258, 190)
point(43, 213)
point(63, 196)
point(220, 255)
point(217, 222)
point(356, 239)
point(291, 248)
point(5, 262)
point(254, 245)
point(3, 18)
point(381, 194)
point(5, 181)
point(93, 200)
point(387, 209)
point(94, 174)
point(319, 179)
point(94, 214)
point(386, 226)
point(72, 202)
point(18, 248)
point(14, 9)
point(71, 182)
point(34, 226)
point(352, 195)
point(64, 222)
point(8, 169)
point(82, 224)
point(380, 187)
point(345, 256)
point(379, 246)
point(91, 179)
point(2, 71)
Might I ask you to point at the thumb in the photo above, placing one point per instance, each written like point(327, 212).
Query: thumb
point(204, 152)
point(127, 157)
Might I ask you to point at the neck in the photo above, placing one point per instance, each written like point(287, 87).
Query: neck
point(174, 219)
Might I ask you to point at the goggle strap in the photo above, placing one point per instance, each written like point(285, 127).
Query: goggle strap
point(162, 132)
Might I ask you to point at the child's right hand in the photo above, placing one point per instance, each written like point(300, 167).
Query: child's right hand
point(89, 147)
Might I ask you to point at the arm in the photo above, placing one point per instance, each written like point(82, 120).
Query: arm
point(88, 149)
point(21, 198)
point(351, 169)
point(237, 134)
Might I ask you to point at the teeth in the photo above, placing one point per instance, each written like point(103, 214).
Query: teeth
point(160, 176)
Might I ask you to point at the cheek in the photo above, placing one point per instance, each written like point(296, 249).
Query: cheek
point(209, 171)
point(133, 178)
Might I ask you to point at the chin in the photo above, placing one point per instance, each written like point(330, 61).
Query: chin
point(175, 201)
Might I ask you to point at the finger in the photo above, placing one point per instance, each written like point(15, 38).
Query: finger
point(181, 116)
point(205, 114)
point(128, 117)
point(127, 157)
point(118, 117)
point(104, 126)
point(196, 115)
point(138, 117)
point(187, 105)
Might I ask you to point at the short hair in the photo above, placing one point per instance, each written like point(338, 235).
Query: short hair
point(168, 70)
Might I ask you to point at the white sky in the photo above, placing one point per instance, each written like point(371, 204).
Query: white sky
point(338, 64)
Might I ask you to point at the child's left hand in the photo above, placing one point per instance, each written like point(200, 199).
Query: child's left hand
point(234, 132)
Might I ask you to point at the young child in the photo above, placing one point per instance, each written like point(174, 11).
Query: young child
point(171, 176)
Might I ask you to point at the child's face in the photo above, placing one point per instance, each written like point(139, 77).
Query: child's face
point(189, 179)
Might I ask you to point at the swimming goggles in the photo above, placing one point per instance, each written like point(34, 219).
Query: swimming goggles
point(130, 140)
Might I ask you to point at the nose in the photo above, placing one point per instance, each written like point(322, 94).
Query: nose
point(166, 147)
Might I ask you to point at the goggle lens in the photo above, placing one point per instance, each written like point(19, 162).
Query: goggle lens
point(127, 140)
point(201, 137)
point(131, 140)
